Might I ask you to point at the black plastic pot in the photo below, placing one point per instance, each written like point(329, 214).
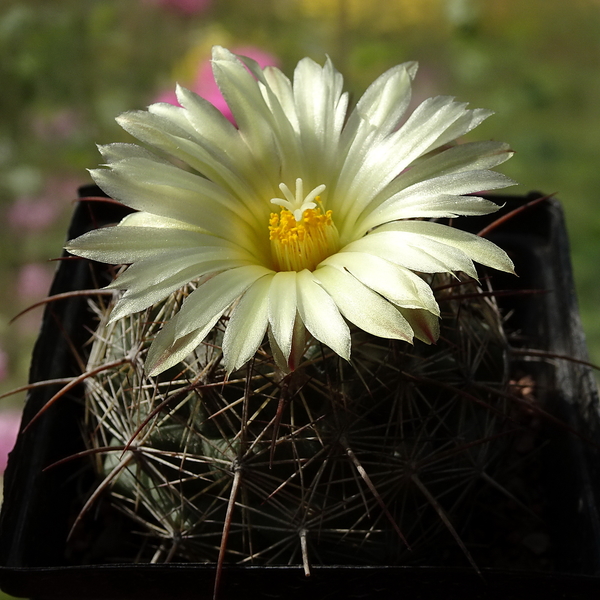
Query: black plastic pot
point(40, 502)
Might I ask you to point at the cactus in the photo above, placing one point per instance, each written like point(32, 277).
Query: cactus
point(369, 462)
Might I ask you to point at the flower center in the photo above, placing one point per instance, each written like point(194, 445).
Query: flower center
point(301, 234)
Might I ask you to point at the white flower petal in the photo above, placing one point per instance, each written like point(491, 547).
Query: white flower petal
point(442, 196)
point(425, 325)
point(375, 116)
point(214, 296)
point(184, 332)
point(465, 123)
point(282, 89)
point(210, 123)
point(166, 350)
point(247, 325)
point(120, 151)
point(145, 287)
point(287, 137)
point(456, 184)
point(283, 309)
point(439, 207)
point(318, 113)
point(321, 316)
point(384, 102)
point(415, 252)
point(280, 360)
point(139, 298)
point(363, 307)
point(152, 169)
point(263, 123)
point(471, 156)
point(477, 248)
point(125, 245)
point(136, 185)
point(421, 130)
point(147, 272)
point(397, 284)
point(386, 159)
point(252, 115)
point(204, 157)
point(176, 115)
point(144, 219)
point(278, 94)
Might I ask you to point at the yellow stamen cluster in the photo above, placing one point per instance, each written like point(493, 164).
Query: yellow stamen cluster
point(303, 244)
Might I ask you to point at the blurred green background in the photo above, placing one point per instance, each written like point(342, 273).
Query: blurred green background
point(68, 67)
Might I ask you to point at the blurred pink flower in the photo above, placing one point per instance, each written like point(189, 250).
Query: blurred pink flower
point(37, 213)
point(33, 281)
point(56, 126)
point(32, 214)
point(188, 7)
point(10, 421)
point(206, 86)
point(32, 284)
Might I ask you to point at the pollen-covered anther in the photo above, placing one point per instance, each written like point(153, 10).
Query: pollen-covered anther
point(298, 245)
point(301, 235)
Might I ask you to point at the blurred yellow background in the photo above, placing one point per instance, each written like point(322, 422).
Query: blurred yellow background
point(69, 67)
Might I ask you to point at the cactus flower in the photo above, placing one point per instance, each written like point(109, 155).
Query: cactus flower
point(306, 217)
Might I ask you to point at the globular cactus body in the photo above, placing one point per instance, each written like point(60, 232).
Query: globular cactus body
point(334, 463)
